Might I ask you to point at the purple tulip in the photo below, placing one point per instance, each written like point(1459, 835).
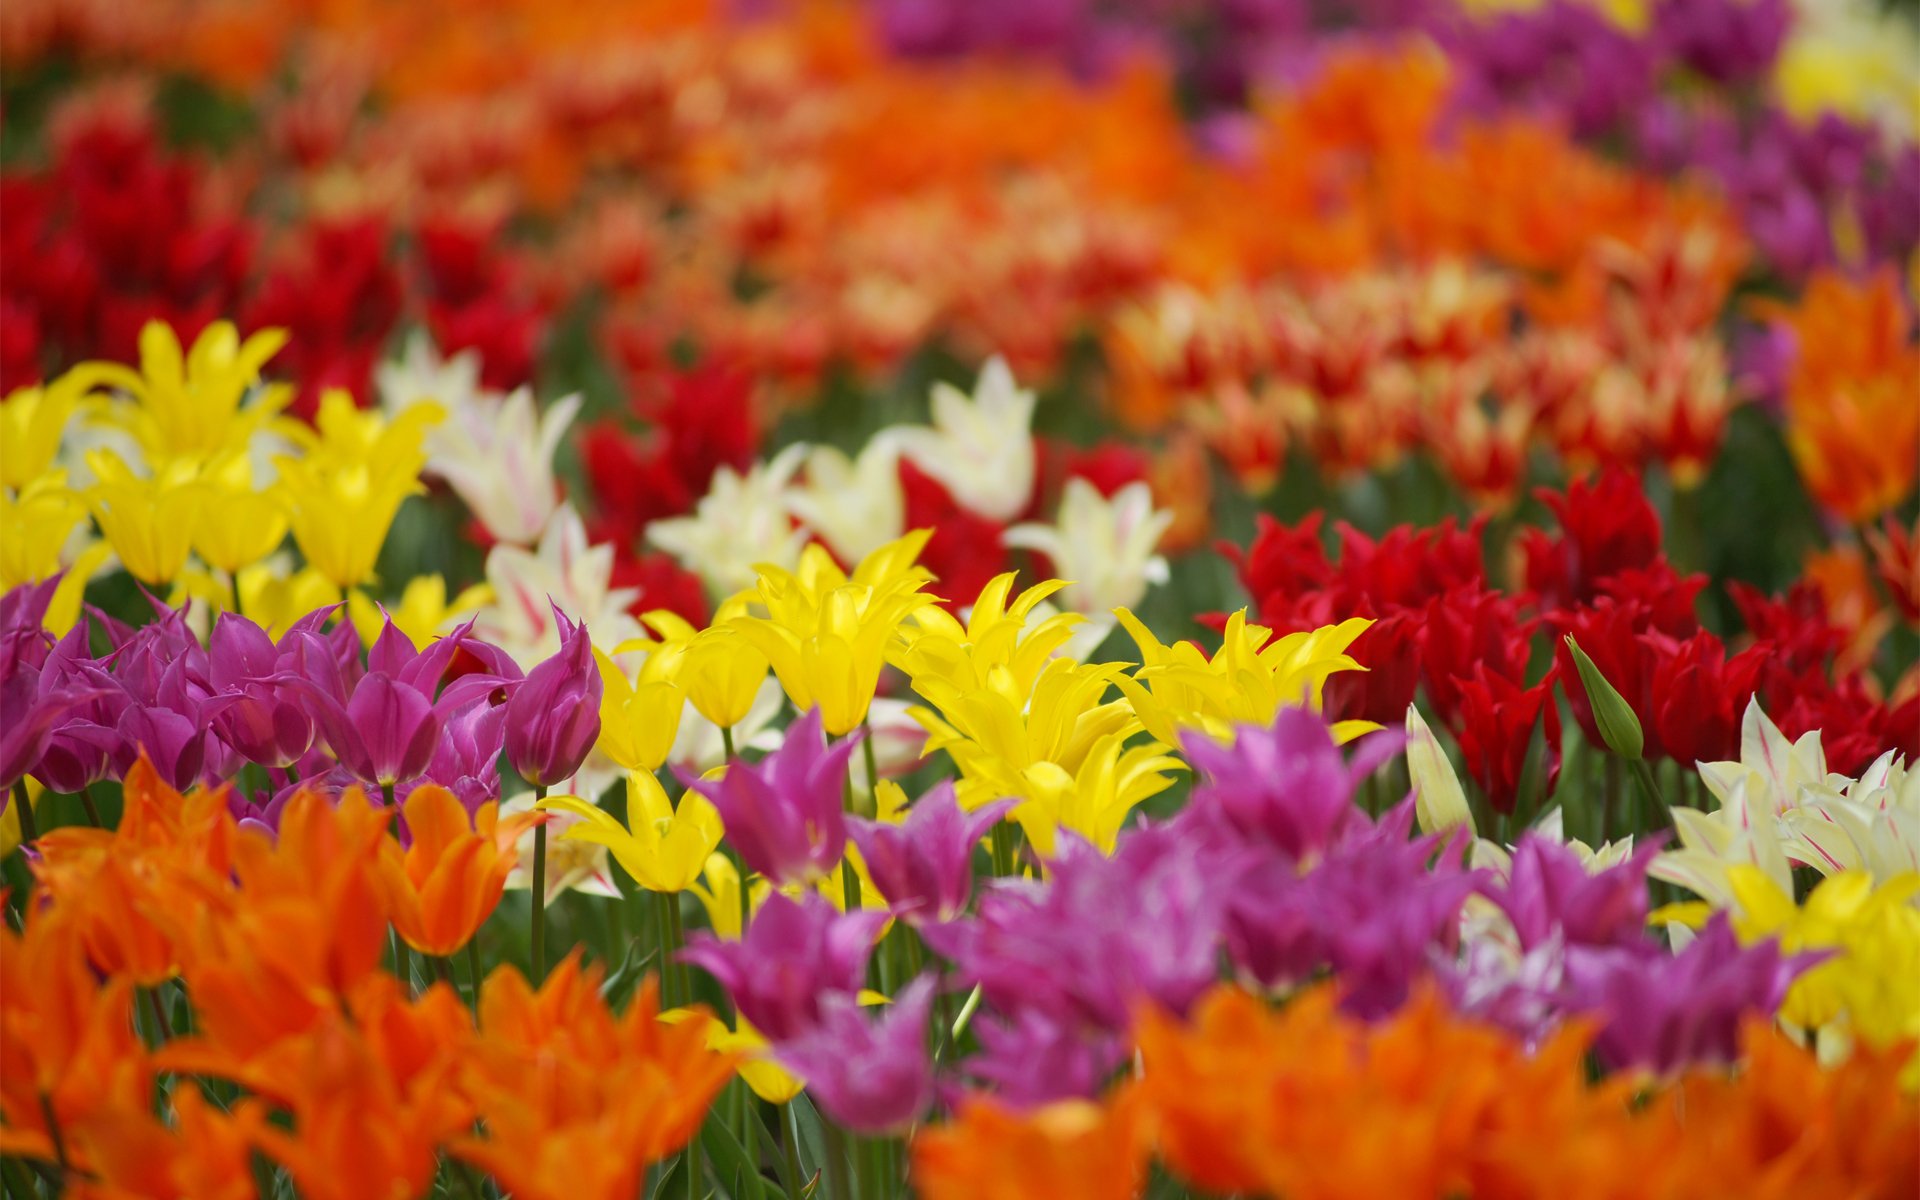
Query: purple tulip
point(1663, 1011)
point(553, 715)
point(784, 813)
point(1728, 41)
point(86, 739)
point(795, 954)
point(467, 759)
point(1033, 1058)
point(385, 729)
point(1549, 893)
point(254, 711)
point(1103, 935)
point(1286, 787)
point(871, 1075)
point(924, 865)
point(37, 692)
point(1373, 911)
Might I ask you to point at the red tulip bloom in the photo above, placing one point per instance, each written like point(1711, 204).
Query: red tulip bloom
point(1497, 721)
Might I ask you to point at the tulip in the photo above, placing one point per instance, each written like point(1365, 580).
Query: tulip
point(722, 673)
point(796, 954)
point(448, 881)
point(924, 865)
point(1287, 787)
point(872, 1076)
point(665, 848)
point(1619, 727)
point(1439, 801)
point(553, 716)
point(639, 719)
point(784, 814)
point(261, 719)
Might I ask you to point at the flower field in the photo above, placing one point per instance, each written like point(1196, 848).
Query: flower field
point(924, 598)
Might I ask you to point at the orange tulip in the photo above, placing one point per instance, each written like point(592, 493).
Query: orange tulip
point(450, 879)
point(133, 891)
point(371, 1095)
point(576, 1101)
point(1070, 1150)
point(67, 1045)
point(299, 934)
point(204, 1154)
point(1851, 421)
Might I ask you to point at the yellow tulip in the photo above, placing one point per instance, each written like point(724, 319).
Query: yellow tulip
point(1250, 678)
point(639, 718)
point(769, 1080)
point(274, 600)
point(661, 847)
point(190, 407)
point(720, 896)
point(32, 422)
point(150, 523)
point(1093, 801)
point(343, 494)
point(423, 611)
point(38, 525)
point(722, 673)
point(1439, 802)
point(239, 526)
point(827, 635)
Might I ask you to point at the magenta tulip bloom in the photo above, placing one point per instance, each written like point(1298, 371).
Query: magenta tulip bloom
point(795, 954)
point(868, 1070)
point(553, 715)
point(1550, 894)
point(924, 865)
point(784, 812)
point(1287, 786)
point(261, 718)
point(385, 729)
point(1663, 1011)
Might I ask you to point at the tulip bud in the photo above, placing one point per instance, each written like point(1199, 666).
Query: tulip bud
point(553, 716)
point(1439, 802)
point(1619, 728)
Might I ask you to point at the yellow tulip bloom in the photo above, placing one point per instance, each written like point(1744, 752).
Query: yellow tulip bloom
point(768, 1079)
point(190, 407)
point(720, 896)
point(343, 494)
point(1870, 988)
point(722, 673)
point(661, 847)
point(239, 526)
point(150, 522)
point(32, 421)
point(995, 637)
point(274, 600)
point(827, 635)
point(640, 717)
point(38, 523)
point(422, 613)
point(1094, 800)
point(1245, 683)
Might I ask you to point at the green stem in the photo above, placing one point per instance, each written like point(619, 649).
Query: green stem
point(838, 1166)
point(1644, 777)
point(473, 972)
point(539, 930)
point(159, 1012)
point(726, 741)
point(29, 827)
point(1002, 849)
point(53, 1134)
point(873, 769)
point(386, 792)
point(676, 942)
point(86, 802)
point(795, 1179)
